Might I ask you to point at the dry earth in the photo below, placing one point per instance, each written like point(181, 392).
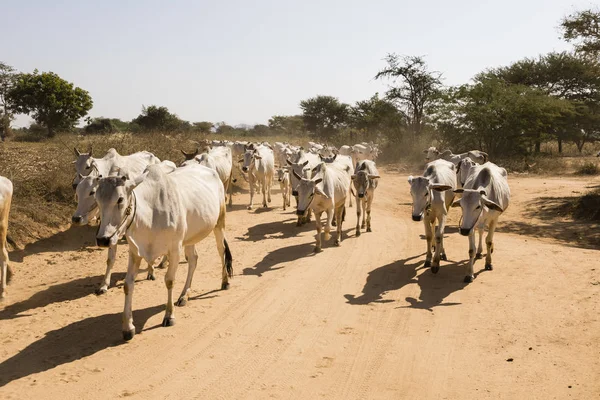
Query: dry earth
point(363, 321)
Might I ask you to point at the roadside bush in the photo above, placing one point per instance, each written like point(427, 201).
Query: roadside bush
point(587, 168)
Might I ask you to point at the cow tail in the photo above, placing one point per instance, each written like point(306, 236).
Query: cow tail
point(228, 259)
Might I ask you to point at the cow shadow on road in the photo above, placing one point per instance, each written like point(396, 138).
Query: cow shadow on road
point(280, 256)
point(59, 293)
point(75, 238)
point(276, 230)
point(70, 343)
point(387, 278)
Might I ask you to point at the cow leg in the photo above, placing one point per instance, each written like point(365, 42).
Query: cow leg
point(429, 238)
point(225, 255)
point(3, 265)
point(192, 258)
point(132, 271)
point(270, 183)
point(359, 207)
point(230, 187)
point(469, 278)
point(350, 196)
point(150, 276)
point(363, 224)
point(318, 247)
point(338, 216)
point(369, 202)
point(479, 255)
point(489, 242)
point(110, 261)
point(251, 183)
point(439, 244)
point(169, 319)
point(329, 212)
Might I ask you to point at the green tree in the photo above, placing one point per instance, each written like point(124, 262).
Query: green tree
point(324, 116)
point(287, 124)
point(261, 130)
point(155, 118)
point(51, 100)
point(583, 28)
point(412, 87)
point(105, 125)
point(203, 127)
point(375, 117)
point(7, 81)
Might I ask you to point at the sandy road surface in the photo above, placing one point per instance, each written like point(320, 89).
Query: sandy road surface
point(363, 321)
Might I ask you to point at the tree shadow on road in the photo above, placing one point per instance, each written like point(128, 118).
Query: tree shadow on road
point(66, 291)
point(389, 277)
point(70, 343)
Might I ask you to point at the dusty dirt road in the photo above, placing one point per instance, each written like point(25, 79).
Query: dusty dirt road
point(363, 321)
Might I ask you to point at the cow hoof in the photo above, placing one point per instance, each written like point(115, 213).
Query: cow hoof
point(101, 290)
point(269, 200)
point(468, 279)
point(225, 286)
point(249, 207)
point(488, 267)
point(478, 256)
point(336, 243)
point(333, 223)
point(128, 335)
point(234, 181)
point(369, 229)
point(435, 269)
point(318, 250)
point(357, 232)
point(161, 265)
point(427, 264)
point(150, 277)
point(443, 257)
point(181, 302)
point(363, 226)
point(168, 321)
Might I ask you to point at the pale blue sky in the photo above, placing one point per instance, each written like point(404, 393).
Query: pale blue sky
point(244, 61)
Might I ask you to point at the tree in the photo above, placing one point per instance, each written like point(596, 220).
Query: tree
point(203, 127)
point(52, 101)
point(583, 28)
point(564, 76)
point(105, 125)
point(375, 116)
point(496, 116)
point(7, 81)
point(261, 130)
point(287, 124)
point(324, 115)
point(412, 87)
point(155, 118)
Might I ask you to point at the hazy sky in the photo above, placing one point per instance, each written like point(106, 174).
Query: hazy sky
point(244, 61)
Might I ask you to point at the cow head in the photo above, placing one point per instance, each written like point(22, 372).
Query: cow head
point(307, 189)
point(84, 164)
point(281, 173)
point(115, 201)
point(87, 209)
point(300, 169)
point(421, 192)
point(473, 203)
point(249, 159)
point(431, 153)
point(464, 169)
point(190, 156)
point(362, 180)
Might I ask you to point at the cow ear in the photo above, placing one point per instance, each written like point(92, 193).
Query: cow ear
point(80, 176)
point(320, 192)
point(296, 175)
point(410, 179)
point(425, 151)
point(318, 180)
point(305, 163)
point(456, 203)
point(257, 157)
point(132, 184)
point(374, 177)
point(77, 153)
point(353, 177)
point(287, 160)
point(440, 188)
point(334, 156)
point(491, 205)
point(483, 192)
point(459, 191)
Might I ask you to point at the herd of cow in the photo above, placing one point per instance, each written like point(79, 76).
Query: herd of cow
point(162, 209)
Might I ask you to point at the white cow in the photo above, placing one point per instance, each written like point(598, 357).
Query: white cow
point(475, 155)
point(85, 163)
point(342, 161)
point(87, 208)
point(484, 197)
point(302, 165)
point(432, 196)
point(324, 193)
point(260, 165)
point(219, 159)
point(159, 214)
point(6, 192)
point(365, 179)
point(345, 150)
point(283, 176)
point(463, 170)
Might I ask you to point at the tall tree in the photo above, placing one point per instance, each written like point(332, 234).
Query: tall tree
point(51, 100)
point(324, 115)
point(411, 87)
point(7, 81)
point(155, 118)
point(376, 116)
point(583, 28)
